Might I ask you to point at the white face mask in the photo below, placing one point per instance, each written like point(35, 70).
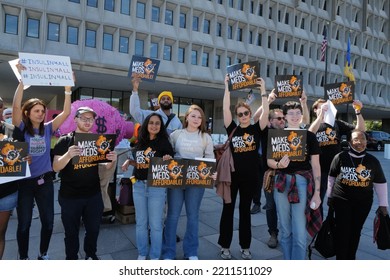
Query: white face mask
point(9, 120)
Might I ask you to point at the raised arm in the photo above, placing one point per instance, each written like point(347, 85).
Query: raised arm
point(305, 109)
point(271, 98)
point(360, 124)
point(264, 103)
point(317, 122)
point(227, 114)
point(67, 108)
point(17, 105)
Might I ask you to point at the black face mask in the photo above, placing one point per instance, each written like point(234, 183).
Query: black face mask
point(166, 107)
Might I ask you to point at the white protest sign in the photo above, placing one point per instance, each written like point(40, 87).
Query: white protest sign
point(46, 70)
point(13, 63)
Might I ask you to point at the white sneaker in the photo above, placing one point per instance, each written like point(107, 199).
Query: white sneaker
point(44, 257)
point(141, 258)
point(193, 258)
point(246, 254)
point(225, 254)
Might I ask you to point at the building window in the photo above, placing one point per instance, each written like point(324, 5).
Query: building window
point(220, 2)
point(250, 39)
point(252, 7)
point(217, 60)
point(11, 24)
point(183, 18)
point(92, 3)
point(195, 23)
point(228, 61)
point(109, 5)
point(125, 7)
point(194, 57)
point(169, 17)
point(32, 28)
point(260, 13)
point(231, 3)
point(167, 53)
point(139, 47)
point(73, 35)
point(259, 37)
point(155, 13)
point(75, 1)
point(270, 13)
point(53, 32)
point(154, 50)
point(124, 44)
point(230, 32)
point(107, 41)
point(180, 55)
point(206, 26)
point(219, 29)
point(239, 34)
point(90, 38)
point(140, 10)
point(205, 59)
point(269, 42)
point(240, 5)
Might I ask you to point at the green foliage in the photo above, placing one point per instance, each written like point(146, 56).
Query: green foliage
point(373, 125)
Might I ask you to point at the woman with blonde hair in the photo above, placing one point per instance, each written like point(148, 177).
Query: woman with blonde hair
point(190, 142)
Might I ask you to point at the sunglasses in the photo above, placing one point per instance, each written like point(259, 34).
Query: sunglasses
point(246, 113)
point(279, 118)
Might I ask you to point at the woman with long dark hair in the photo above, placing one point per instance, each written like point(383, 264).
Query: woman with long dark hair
point(149, 202)
point(30, 119)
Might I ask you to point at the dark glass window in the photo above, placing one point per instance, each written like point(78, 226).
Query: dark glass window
point(180, 55)
point(75, 1)
point(53, 32)
point(154, 50)
point(230, 32)
point(206, 26)
point(156, 14)
point(183, 19)
point(32, 28)
point(194, 57)
point(123, 44)
point(11, 24)
point(139, 47)
point(217, 61)
point(90, 38)
point(109, 5)
point(92, 3)
point(195, 23)
point(140, 10)
point(167, 52)
point(125, 7)
point(108, 41)
point(205, 59)
point(219, 29)
point(73, 35)
point(169, 17)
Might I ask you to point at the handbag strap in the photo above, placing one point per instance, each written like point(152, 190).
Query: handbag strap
point(230, 137)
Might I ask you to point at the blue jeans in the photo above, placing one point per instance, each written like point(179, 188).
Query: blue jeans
point(90, 210)
point(149, 205)
point(192, 196)
point(44, 197)
point(292, 220)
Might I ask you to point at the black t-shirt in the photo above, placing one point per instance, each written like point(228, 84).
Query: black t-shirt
point(312, 148)
point(10, 187)
point(355, 176)
point(244, 147)
point(155, 148)
point(328, 138)
point(79, 180)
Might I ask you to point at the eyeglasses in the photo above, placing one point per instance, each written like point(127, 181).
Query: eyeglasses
point(279, 118)
point(298, 113)
point(90, 120)
point(246, 113)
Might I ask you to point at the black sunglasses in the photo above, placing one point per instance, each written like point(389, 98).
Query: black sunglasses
point(246, 113)
point(278, 118)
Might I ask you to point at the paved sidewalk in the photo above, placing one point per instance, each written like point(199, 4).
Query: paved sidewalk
point(117, 241)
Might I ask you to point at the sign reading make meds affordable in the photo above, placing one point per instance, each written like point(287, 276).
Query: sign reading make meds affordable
point(288, 86)
point(94, 147)
point(340, 93)
point(243, 75)
point(144, 68)
point(286, 142)
point(167, 173)
point(199, 171)
point(11, 159)
point(46, 70)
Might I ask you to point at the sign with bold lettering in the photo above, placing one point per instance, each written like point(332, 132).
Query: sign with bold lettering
point(94, 147)
point(288, 86)
point(199, 172)
point(144, 68)
point(243, 75)
point(11, 159)
point(286, 142)
point(46, 70)
point(340, 93)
